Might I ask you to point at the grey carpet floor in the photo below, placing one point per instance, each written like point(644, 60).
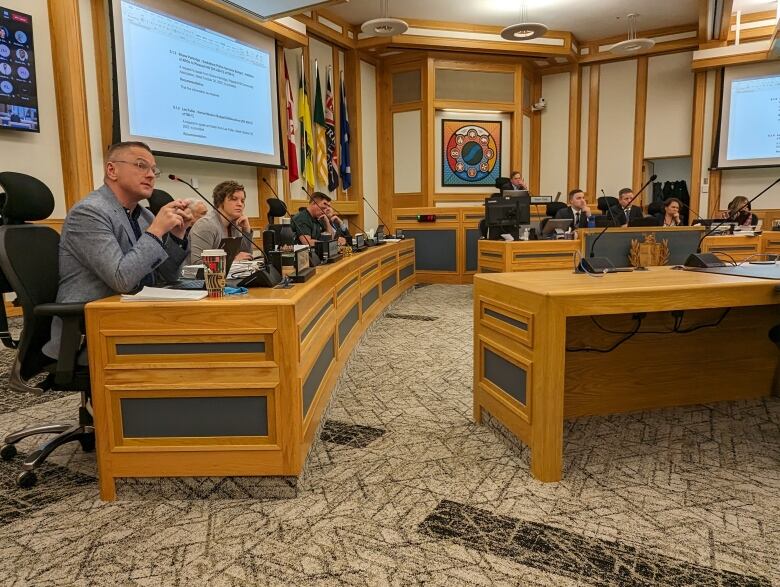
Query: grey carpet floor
point(403, 488)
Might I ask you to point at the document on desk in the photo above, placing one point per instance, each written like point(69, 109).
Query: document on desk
point(159, 294)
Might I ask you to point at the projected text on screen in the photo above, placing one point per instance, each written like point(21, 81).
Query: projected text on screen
point(189, 84)
point(754, 119)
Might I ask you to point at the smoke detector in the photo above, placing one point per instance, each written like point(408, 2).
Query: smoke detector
point(632, 44)
point(384, 26)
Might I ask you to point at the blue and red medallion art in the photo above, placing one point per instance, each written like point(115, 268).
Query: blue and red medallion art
point(472, 152)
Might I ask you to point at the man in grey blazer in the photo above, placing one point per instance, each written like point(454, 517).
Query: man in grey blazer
point(110, 244)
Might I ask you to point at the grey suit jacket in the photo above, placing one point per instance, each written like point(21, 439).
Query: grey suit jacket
point(207, 233)
point(100, 256)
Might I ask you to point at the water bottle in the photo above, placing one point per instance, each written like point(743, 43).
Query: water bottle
point(591, 222)
point(525, 235)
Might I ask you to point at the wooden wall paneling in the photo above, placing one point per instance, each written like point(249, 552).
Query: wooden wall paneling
point(536, 137)
point(640, 112)
point(71, 92)
point(704, 17)
point(697, 140)
point(427, 121)
point(516, 134)
point(102, 45)
point(715, 175)
point(725, 20)
point(385, 138)
point(575, 96)
point(354, 111)
point(593, 130)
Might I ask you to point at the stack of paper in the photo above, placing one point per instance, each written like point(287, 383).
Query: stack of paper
point(159, 294)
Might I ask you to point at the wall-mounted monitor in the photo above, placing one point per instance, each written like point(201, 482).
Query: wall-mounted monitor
point(18, 90)
point(192, 84)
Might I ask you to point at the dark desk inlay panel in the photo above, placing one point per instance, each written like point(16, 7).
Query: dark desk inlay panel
point(148, 417)
point(369, 269)
point(313, 322)
point(507, 319)
point(353, 435)
point(472, 238)
point(616, 246)
point(589, 561)
point(316, 374)
point(371, 296)
point(348, 322)
point(434, 249)
point(406, 272)
point(347, 285)
point(507, 376)
point(389, 282)
point(189, 348)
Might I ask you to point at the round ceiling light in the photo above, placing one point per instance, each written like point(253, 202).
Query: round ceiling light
point(384, 27)
point(632, 46)
point(524, 31)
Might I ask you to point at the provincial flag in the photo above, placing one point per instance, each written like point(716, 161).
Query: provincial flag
point(330, 135)
point(292, 155)
point(346, 171)
point(319, 130)
point(307, 147)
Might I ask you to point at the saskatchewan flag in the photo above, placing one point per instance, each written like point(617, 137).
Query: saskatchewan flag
point(319, 131)
point(304, 115)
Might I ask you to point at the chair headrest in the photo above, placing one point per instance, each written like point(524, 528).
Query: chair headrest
point(26, 198)
point(158, 199)
point(276, 207)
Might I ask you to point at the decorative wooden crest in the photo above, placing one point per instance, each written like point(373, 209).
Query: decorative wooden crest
point(649, 253)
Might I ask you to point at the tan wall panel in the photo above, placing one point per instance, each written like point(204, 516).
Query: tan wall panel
point(407, 152)
point(526, 164)
point(617, 102)
point(555, 134)
point(669, 106)
point(584, 109)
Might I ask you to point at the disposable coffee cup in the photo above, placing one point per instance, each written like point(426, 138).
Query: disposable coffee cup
point(214, 262)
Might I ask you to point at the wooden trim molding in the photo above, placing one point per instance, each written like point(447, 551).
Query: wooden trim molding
point(575, 97)
point(725, 20)
point(70, 87)
point(102, 43)
point(640, 112)
point(536, 138)
point(697, 139)
point(593, 130)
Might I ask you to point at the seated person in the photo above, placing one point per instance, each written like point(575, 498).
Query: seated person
point(229, 198)
point(338, 227)
point(625, 212)
point(671, 214)
point(577, 211)
point(516, 182)
point(306, 222)
point(739, 212)
point(109, 244)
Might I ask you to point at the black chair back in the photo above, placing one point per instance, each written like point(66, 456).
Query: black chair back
point(158, 199)
point(655, 208)
point(26, 198)
point(554, 207)
point(35, 283)
point(605, 203)
point(501, 182)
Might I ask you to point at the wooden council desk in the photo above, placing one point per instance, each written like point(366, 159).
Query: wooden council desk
point(529, 328)
point(234, 386)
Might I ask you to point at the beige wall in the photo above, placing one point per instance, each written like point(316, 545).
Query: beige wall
point(407, 152)
point(38, 154)
point(669, 105)
point(555, 134)
point(617, 92)
point(369, 136)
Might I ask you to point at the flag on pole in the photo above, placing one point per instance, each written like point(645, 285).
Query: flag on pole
point(292, 155)
point(346, 172)
point(330, 134)
point(319, 130)
point(307, 165)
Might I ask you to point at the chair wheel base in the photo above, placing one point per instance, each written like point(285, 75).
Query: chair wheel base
point(7, 452)
point(26, 479)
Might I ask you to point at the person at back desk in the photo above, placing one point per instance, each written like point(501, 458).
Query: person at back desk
point(229, 198)
point(739, 212)
point(671, 214)
point(516, 182)
point(340, 230)
point(577, 211)
point(110, 244)
point(306, 222)
point(625, 212)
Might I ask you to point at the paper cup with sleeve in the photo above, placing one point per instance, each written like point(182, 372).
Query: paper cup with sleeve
point(214, 261)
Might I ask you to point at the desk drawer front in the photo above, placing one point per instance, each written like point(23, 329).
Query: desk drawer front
point(513, 323)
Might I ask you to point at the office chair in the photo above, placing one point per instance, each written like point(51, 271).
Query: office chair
point(5, 287)
point(605, 203)
point(554, 207)
point(654, 208)
point(501, 182)
point(158, 199)
point(35, 284)
point(283, 232)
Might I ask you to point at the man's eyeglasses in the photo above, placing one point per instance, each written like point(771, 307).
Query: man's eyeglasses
point(140, 164)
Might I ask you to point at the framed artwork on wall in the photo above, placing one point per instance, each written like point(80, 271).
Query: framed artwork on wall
point(471, 152)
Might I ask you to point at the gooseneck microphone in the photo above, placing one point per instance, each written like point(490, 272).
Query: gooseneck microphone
point(736, 213)
point(636, 195)
point(377, 213)
point(610, 211)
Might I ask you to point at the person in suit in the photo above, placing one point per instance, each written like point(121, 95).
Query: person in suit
point(207, 232)
point(671, 213)
point(739, 212)
point(110, 244)
point(577, 211)
point(625, 212)
point(516, 182)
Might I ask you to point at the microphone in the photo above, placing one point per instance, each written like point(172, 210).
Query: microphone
point(268, 277)
point(286, 211)
point(375, 212)
point(636, 195)
point(736, 212)
point(609, 208)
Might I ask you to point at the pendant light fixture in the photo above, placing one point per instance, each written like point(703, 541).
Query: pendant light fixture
point(384, 26)
point(632, 44)
point(524, 30)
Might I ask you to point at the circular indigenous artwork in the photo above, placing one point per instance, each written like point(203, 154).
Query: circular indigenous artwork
point(472, 154)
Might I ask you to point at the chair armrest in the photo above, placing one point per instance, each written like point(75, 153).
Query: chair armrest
point(61, 310)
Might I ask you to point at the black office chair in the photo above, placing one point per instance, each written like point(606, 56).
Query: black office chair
point(283, 232)
point(501, 182)
point(654, 208)
point(554, 207)
point(29, 258)
point(604, 203)
point(6, 339)
point(158, 199)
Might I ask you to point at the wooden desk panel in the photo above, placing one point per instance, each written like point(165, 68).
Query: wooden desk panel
point(503, 256)
point(281, 349)
point(529, 327)
point(735, 248)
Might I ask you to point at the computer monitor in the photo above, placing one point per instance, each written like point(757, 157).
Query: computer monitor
point(505, 214)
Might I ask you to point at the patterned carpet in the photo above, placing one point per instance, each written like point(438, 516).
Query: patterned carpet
point(404, 489)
